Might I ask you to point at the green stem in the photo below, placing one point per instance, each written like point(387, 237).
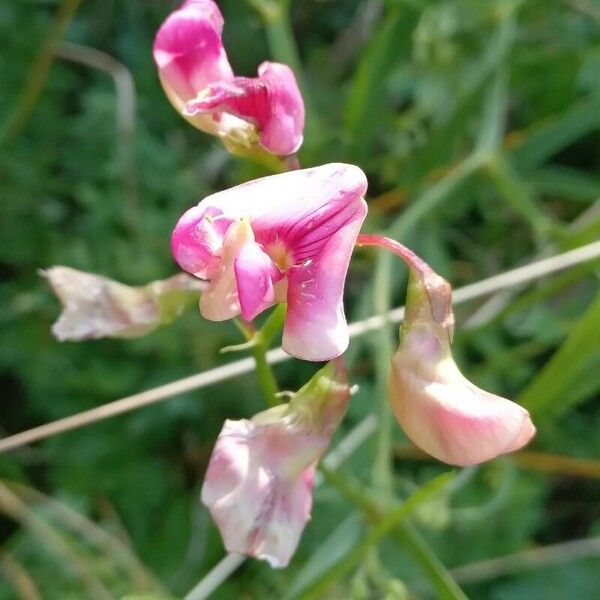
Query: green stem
point(434, 196)
point(516, 193)
point(260, 341)
point(282, 44)
point(264, 373)
point(439, 577)
point(273, 325)
point(404, 532)
point(383, 527)
point(39, 71)
point(382, 465)
point(351, 490)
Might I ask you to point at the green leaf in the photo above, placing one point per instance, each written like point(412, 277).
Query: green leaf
point(352, 558)
point(330, 551)
point(571, 184)
point(558, 133)
point(147, 597)
point(574, 366)
point(366, 102)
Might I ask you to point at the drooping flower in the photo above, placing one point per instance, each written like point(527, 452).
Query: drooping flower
point(97, 307)
point(259, 482)
point(198, 80)
point(283, 238)
point(440, 410)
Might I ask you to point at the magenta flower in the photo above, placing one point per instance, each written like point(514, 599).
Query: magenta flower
point(283, 238)
point(258, 485)
point(198, 80)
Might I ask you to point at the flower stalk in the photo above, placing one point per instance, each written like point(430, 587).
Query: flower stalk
point(259, 342)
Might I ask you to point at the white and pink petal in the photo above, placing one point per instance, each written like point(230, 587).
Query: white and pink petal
point(255, 274)
point(315, 326)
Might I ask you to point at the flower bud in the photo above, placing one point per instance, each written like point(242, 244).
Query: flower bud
point(440, 410)
point(259, 482)
point(189, 54)
point(97, 307)
point(251, 115)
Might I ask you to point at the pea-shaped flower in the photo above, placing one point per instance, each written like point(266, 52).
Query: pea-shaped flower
point(284, 238)
point(199, 82)
point(258, 485)
point(97, 307)
point(440, 410)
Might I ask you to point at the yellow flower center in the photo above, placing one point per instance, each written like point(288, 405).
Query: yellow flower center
point(280, 255)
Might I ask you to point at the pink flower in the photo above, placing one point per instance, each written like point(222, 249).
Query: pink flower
point(198, 80)
point(258, 485)
point(283, 238)
point(440, 410)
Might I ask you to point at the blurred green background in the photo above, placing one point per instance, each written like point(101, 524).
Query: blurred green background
point(477, 124)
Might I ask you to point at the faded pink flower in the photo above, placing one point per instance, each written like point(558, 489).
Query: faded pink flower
point(97, 307)
point(198, 80)
point(440, 410)
point(258, 485)
point(283, 238)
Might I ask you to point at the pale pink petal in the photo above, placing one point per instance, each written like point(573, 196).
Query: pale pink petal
point(188, 51)
point(254, 273)
point(220, 300)
point(282, 131)
point(292, 507)
point(525, 435)
point(97, 307)
point(259, 482)
point(257, 510)
point(271, 101)
point(444, 414)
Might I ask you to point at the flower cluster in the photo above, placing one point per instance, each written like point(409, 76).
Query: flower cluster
point(287, 238)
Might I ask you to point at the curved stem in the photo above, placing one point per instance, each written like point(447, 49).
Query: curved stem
point(38, 73)
point(406, 254)
point(429, 296)
point(404, 532)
